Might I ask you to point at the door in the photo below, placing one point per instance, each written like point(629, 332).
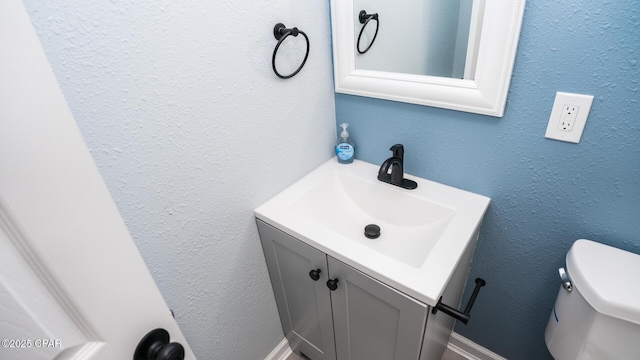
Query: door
point(72, 283)
point(371, 320)
point(298, 275)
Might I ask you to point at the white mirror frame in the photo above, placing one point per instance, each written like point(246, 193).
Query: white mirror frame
point(485, 94)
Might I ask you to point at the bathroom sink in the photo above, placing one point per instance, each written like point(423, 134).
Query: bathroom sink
point(422, 232)
point(409, 225)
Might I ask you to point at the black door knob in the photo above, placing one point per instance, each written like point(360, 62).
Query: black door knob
point(315, 274)
point(156, 346)
point(332, 284)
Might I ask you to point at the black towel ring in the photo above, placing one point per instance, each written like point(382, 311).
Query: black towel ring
point(364, 19)
point(281, 32)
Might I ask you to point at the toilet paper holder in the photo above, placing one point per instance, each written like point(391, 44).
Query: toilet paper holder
point(461, 316)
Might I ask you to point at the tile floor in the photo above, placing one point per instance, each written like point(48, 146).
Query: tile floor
point(448, 355)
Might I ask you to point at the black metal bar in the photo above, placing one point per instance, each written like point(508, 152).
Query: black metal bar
point(453, 312)
point(479, 283)
point(465, 316)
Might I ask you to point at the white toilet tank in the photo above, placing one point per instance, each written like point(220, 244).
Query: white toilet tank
point(600, 318)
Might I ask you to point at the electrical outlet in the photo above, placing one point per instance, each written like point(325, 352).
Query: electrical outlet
point(568, 117)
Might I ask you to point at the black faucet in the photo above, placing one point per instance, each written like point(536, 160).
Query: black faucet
point(396, 163)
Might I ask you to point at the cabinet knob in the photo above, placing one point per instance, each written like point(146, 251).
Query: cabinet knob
point(332, 284)
point(315, 274)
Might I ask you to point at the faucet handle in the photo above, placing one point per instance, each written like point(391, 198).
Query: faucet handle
point(398, 151)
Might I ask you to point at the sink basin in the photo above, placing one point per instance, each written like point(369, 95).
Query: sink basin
point(423, 232)
point(409, 225)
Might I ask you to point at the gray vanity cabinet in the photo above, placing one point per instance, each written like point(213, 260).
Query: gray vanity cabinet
point(373, 321)
point(304, 304)
point(368, 319)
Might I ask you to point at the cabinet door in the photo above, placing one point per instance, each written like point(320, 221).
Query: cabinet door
point(373, 321)
point(304, 304)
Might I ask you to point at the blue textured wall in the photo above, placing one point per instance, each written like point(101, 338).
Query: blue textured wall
point(545, 193)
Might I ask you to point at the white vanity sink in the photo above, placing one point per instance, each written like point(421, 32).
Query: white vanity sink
point(423, 232)
point(345, 203)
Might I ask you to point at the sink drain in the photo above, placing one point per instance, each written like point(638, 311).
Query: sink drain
point(372, 231)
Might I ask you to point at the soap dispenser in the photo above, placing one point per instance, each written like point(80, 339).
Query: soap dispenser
point(345, 149)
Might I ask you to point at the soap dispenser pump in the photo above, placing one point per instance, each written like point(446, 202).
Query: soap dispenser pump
point(345, 149)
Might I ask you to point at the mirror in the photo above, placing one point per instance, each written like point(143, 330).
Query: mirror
point(444, 31)
point(452, 54)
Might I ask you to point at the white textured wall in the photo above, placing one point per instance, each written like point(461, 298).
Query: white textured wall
point(192, 130)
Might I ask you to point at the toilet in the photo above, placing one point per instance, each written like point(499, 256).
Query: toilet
point(596, 315)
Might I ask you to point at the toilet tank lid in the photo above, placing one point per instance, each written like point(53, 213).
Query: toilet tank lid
point(607, 277)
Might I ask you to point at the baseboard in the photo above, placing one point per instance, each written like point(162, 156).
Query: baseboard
point(470, 350)
point(458, 344)
point(280, 352)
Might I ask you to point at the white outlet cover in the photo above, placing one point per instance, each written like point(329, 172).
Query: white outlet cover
point(574, 133)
